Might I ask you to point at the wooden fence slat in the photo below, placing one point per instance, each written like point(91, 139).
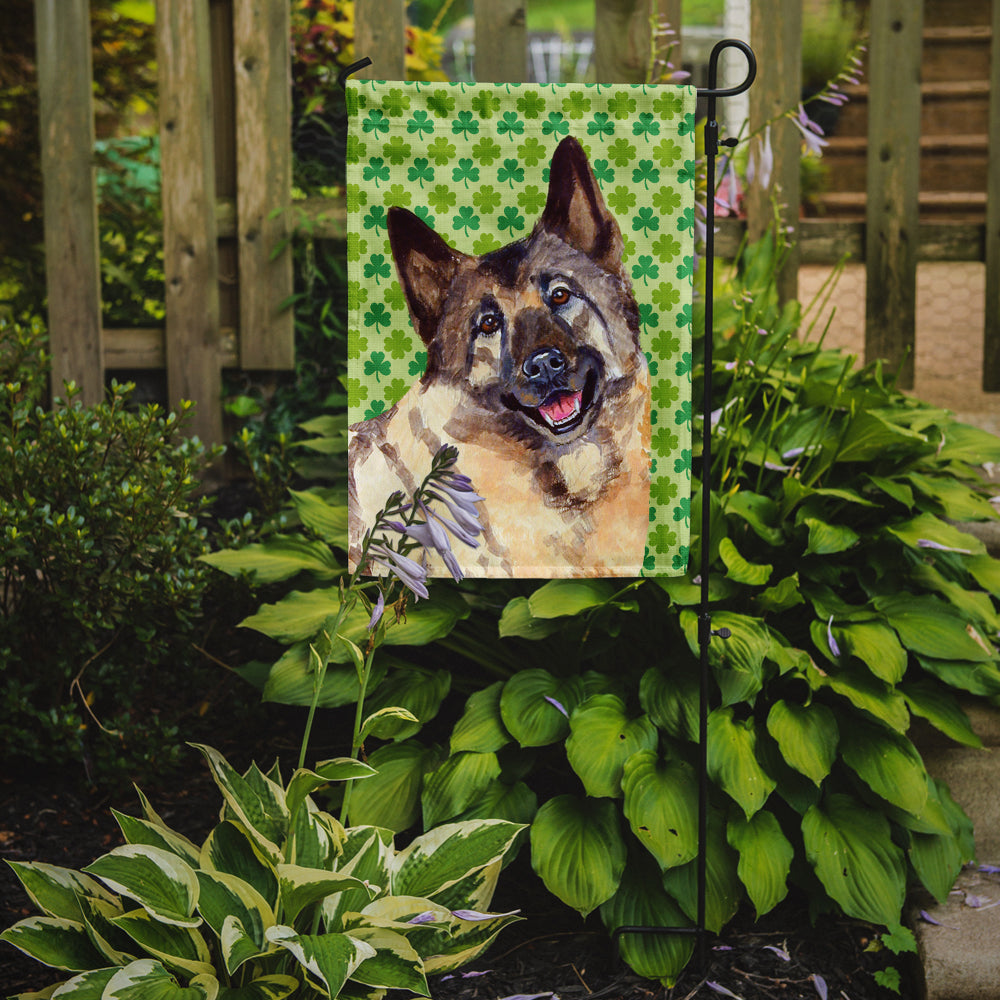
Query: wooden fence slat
point(991, 332)
point(72, 256)
point(893, 184)
point(261, 57)
point(190, 252)
point(776, 36)
point(622, 40)
point(380, 34)
point(501, 41)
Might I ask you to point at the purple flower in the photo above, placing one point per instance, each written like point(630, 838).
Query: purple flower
point(427, 917)
point(475, 915)
point(377, 611)
point(409, 572)
point(831, 642)
point(761, 162)
point(927, 543)
point(811, 132)
point(820, 983)
point(558, 705)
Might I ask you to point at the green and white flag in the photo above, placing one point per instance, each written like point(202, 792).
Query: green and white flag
point(520, 271)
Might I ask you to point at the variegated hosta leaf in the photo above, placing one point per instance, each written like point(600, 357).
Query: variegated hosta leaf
point(116, 946)
point(147, 979)
point(441, 857)
point(367, 853)
point(395, 964)
point(475, 891)
point(304, 782)
point(765, 858)
point(54, 941)
point(850, 847)
point(315, 838)
point(56, 891)
point(468, 939)
point(300, 887)
point(141, 831)
point(158, 880)
point(807, 736)
point(275, 987)
point(661, 799)
point(86, 986)
point(642, 902)
point(230, 849)
point(732, 760)
point(256, 801)
point(578, 851)
point(177, 947)
point(225, 897)
point(238, 944)
point(329, 959)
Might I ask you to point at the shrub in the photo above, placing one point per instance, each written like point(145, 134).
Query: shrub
point(99, 539)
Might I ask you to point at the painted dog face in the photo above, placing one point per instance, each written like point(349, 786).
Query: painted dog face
point(541, 334)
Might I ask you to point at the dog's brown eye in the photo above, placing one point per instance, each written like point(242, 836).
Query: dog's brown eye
point(559, 296)
point(489, 324)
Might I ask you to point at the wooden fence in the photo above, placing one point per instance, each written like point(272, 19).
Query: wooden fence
point(226, 161)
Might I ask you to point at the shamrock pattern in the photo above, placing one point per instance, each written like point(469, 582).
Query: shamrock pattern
point(472, 161)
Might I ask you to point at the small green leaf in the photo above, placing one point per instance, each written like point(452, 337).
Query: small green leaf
point(535, 706)
point(391, 798)
point(732, 760)
point(765, 858)
point(279, 558)
point(671, 700)
point(888, 763)
point(741, 571)
point(481, 727)
point(560, 598)
point(807, 736)
point(456, 784)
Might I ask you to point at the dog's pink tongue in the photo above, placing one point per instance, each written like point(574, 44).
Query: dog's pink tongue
point(562, 407)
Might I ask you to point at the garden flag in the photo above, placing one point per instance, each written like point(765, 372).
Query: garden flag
point(520, 271)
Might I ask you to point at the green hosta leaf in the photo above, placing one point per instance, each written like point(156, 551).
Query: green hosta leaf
point(327, 520)
point(641, 901)
point(559, 598)
point(671, 699)
point(931, 628)
point(163, 884)
point(391, 798)
point(238, 944)
point(937, 859)
point(741, 571)
point(876, 646)
point(416, 689)
point(260, 809)
point(850, 848)
point(761, 513)
point(54, 941)
point(738, 661)
point(965, 443)
point(147, 979)
point(807, 736)
point(732, 760)
point(292, 680)
point(481, 728)
point(783, 595)
point(301, 887)
point(870, 436)
point(304, 782)
point(941, 709)
point(986, 572)
point(438, 859)
point(578, 851)
point(661, 798)
point(828, 539)
point(56, 891)
point(957, 501)
point(530, 706)
point(330, 959)
point(893, 488)
point(864, 692)
point(602, 738)
point(975, 605)
point(976, 678)
point(141, 831)
point(225, 897)
point(180, 948)
point(274, 987)
point(456, 784)
point(765, 858)
point(517, 620)
point(684, 592)
point(928, 528)
point(230, 849)
point(279, 558)
point(515, 803)
point(395, 964)
point(723, 889)
point(387, 722)
point(888, 763)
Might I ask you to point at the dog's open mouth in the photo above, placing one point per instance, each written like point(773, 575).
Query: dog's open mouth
point(562, 410)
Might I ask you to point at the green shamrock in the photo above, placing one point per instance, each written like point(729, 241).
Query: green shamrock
point(666, 248)
point(398, 194)
point(603, 171)
point(663, 538)
point(646, 315)
point(683, 414)
point(648, 561)
point(394, 298)
point(356, 196)
point(645, 174)
point(357, 344)
point(667, 200)
point(621, 200)
point(377, 365)
point(423, 212)
point(485, 103)
point(418, 365)
point(376, 218)
point(377, 316)
point(621, 105)
point(683, 464)
point(487, 199)
point(466, 219)
point(555, 124)
point(511, 171)
point(356, 149)
point(646, 125)
point(420, 124)
point(396, 102)
point(376, 170)
point(511, 219)
point(668, 103)
point(377, 268)
point(686, 220)
point(399, 344)
point(396, 390)
point(601, 125)
point(531, 105)
point(683, 318)
point(397, 151)
point(680, 559)
point(441, 151)
point(441, 103)
point(420, 170)
point(665, 344)
point(465, 171)
point(465, 125)
point(486, 150)
point(531, 199)
point(510, 125)
point(375, 409)
point(375, 122)
point(441, 198)
point(357, 392)
point(356, 246)
point(646, 221)
point(683, 366)
point(645, 269)
point(486, 242)
point(686, 126)
point(688, 173)
point(667, 152)
point(576, 105)
point(532, 152)
point(621, 152)
point(662, 490)
point(686, 268)
point(664, 441)
point(682, 512)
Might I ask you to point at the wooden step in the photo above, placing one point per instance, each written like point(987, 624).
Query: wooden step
point(958, 206)
point(956, 53)
point(945, 104)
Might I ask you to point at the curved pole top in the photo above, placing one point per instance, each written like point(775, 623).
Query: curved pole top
point(713, 69)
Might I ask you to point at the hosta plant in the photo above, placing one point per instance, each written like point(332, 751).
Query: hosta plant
point(279, 900)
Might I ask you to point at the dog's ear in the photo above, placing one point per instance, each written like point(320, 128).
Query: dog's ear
point(426, 267)
point(575, 209)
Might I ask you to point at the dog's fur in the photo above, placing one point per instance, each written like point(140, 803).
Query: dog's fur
point(534, 371)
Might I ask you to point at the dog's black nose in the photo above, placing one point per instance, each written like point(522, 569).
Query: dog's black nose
point(546, 364)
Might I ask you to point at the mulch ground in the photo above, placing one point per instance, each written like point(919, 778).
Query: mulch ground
point(550, 953)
